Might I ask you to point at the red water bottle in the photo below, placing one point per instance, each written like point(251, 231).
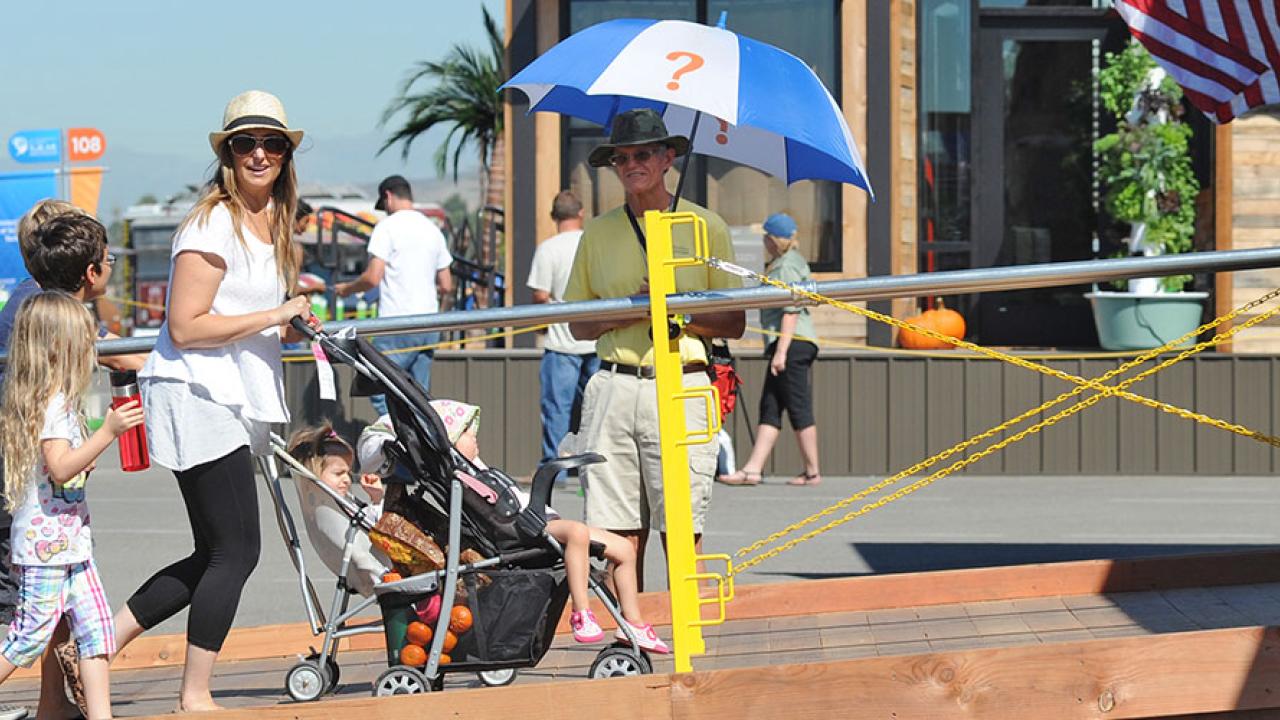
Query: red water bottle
point(133, 443)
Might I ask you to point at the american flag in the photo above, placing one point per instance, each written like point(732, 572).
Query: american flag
point(1224, 53)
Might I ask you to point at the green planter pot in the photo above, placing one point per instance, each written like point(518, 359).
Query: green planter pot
point(1141, 321)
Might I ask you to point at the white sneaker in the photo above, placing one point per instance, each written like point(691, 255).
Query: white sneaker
point(13, 712)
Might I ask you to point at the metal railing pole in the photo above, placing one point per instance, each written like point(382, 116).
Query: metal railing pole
point(952, 282)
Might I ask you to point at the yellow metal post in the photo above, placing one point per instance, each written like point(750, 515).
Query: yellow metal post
point(682, 558)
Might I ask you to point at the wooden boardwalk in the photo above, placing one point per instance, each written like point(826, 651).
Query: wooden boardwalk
point(1187, 644)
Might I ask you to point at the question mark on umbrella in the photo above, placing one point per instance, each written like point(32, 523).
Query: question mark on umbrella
point(695, 62)
point(722, 137)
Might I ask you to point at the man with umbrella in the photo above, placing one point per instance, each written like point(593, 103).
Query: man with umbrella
point(619, 413)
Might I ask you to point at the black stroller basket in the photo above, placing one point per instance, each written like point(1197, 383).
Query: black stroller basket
point(513, 618)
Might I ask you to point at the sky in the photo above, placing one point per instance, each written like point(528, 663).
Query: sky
point(155, 75)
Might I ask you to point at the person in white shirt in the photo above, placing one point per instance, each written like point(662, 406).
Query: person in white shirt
point(567, 364)
point(406, 249)
point(214, 383)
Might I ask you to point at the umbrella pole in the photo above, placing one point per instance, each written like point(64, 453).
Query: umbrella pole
point(684, 167)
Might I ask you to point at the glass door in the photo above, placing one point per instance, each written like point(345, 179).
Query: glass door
point(1034, 192)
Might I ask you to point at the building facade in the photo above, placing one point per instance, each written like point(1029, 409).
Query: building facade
point(976, 119)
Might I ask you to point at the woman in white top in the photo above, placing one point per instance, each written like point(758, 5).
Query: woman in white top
point(214, 381)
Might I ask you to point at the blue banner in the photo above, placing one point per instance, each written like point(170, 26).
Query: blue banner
point(36, 146)
point(18, 193)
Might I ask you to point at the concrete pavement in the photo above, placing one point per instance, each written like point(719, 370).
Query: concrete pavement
point(139, 525)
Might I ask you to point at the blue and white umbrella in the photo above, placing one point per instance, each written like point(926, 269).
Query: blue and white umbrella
point(753, 103)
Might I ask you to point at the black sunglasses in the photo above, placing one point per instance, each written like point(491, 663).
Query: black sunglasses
point(275, 145)
point(640, 156)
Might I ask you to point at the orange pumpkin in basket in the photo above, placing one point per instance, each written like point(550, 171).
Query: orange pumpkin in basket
point(942, 320)
point(413, 655)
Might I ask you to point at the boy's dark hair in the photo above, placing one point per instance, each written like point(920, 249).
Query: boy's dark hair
point(62, 248)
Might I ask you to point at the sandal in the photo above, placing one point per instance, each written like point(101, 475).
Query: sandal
point(741, 477)
point(68, 656)
point(805, 478)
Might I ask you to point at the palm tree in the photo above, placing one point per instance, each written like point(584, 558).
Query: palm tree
point(462, 94)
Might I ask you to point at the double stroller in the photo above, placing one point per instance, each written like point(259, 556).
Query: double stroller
point(497, 560)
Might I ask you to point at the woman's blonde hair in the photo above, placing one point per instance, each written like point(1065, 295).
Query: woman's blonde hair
point(311, 445)
point(50, 352)
point(222, 189)
point(785, 245)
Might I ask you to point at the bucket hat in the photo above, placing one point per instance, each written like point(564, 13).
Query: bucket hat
point(251, 110)
point(641, 126)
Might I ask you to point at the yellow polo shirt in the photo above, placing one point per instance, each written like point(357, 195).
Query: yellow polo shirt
point(610, 263)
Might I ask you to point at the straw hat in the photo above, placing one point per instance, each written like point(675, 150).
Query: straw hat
point(251, 110)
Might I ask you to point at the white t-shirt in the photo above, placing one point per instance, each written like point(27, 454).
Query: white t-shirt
point(414, 250)
point(203, 403)
point(51, 526)
point(552, 262)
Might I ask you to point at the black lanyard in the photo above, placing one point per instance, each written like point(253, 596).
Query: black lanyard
point(635, 225)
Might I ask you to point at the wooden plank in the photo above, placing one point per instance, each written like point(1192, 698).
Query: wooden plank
point(944, 417)
point(1060, 444)
point(1213, 385)
point(1131, 677)
point(907, 412)
point(1099, 434)
point(1137, 426)
point(874, 592)
point(853, 101)
point(1224, 165)
point(831, 414)
point(868, 429)
point(984, 409)
point(1175, 437)
point(1135, 677)
point(1022, 393)
point(645, 697)
point(1252, 402)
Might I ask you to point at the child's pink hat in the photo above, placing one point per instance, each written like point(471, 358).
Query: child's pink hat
point(457, 417)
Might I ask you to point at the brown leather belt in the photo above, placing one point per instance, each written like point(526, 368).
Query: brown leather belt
point(646, 371)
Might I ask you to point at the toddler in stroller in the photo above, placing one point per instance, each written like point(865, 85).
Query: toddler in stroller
point(329, 458)
point(462, 423)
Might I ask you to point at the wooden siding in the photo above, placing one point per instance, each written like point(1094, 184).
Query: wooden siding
point(1255, 217)
point(880, 413)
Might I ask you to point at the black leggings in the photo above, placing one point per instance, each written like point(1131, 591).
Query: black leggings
point(791, 389)
point(222, 505)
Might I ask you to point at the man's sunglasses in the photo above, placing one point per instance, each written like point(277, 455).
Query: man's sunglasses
point(275, 145)
point(640, 156)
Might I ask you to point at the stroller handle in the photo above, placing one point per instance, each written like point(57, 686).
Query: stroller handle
point(545, 477)
point(301, 326)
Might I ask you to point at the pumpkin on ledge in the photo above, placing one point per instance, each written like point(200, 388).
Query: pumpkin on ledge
point(941, 320)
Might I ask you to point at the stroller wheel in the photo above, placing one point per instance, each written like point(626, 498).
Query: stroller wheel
point(306, 681)
point(401, 680)
point(497, 678)
point(615, 661)
point(332, 671)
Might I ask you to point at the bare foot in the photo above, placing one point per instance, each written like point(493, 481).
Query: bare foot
point(197, 705)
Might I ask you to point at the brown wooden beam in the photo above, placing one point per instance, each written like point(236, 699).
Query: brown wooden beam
point(1163, 675)
point(1223, 223)
point(872, 592)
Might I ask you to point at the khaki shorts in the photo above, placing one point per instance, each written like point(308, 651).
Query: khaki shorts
point(620, 421)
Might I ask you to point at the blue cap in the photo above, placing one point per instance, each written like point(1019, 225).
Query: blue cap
point(780, 225)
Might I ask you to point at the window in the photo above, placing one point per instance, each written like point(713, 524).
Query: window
point(743, 196)
point(945, 134)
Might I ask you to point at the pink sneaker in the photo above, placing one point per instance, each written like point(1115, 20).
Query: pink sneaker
point(585, 627)
point(648, 639)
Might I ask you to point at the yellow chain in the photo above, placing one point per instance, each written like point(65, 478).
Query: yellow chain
point(964, 462)
point(1081, 384)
